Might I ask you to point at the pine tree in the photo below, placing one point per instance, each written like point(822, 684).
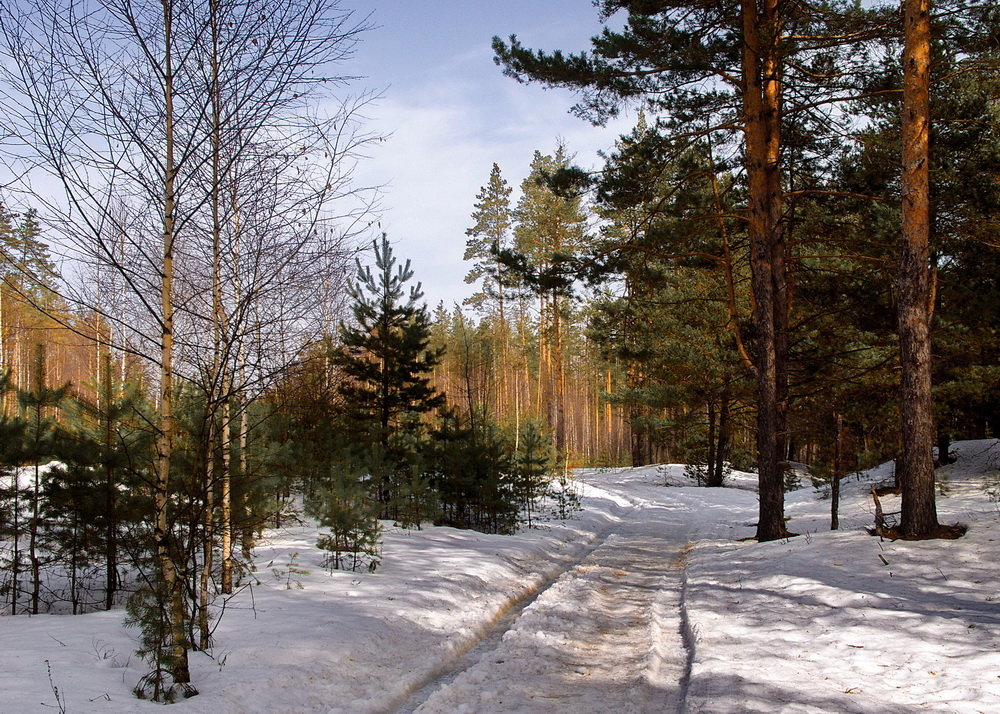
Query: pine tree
point(27, 288)
point(680, 323)
point(550, 229)
point(344, 508)
point(966, 193)
point(916, 465)
point(12, 497)
point(385, 363)
point(490, 235)
point(534, 462)
point(487, 237)
point(145, 611)
point(944, 204)
point(112, 440)
point(27, 266)
point(72, 508)
point(42, 442)
point(474, 475)
point(738, 71)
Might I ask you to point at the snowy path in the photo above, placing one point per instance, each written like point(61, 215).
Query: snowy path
point(601, 638)
point(609, 634)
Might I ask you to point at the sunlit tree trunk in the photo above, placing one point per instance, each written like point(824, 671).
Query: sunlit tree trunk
point(558, 376)
point(916, 465)
point(762, 119)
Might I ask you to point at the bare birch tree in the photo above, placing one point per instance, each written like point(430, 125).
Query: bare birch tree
point(190, 148)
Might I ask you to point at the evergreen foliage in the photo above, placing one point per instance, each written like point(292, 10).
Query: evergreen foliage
point(73, 507)
point(679, 322)
point(472, 471)
point(385, 362)
point(487, 238)
point(345, 509)
point(43, 441)
point(13, 496)
point(534, 463)
point(145, 611)
point(669, 366)
point(26, 266)
point(738, 77)
point(111, 444)
point(550, 226)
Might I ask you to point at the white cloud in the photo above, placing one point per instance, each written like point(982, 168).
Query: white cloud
point(444, 135)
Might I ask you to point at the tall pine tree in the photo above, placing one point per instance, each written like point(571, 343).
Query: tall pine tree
point(489, 235)
point(742, 72)
point(550, 228)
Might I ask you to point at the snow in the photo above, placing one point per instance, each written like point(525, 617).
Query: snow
point(646, 601)
point(846, 622)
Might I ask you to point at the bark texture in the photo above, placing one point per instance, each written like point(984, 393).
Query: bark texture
point(916, 465)
point(173, 586)
point(762, 120)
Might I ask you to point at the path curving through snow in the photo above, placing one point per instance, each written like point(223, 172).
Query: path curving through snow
point(609, 634)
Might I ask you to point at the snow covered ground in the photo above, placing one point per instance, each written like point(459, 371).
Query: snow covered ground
point(844, 622)
point(646, 601)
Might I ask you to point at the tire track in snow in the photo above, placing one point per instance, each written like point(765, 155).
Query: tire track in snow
point(470, 652)
point(686, 630)
point(606, 635)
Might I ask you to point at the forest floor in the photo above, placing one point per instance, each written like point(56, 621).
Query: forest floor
point(647, 600)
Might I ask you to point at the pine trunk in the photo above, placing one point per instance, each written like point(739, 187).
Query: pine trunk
point(916, 465)
point(837, 475)
point(558, 377)
point(710, 461)
point(33, 559)
point(762, 116)
point(15, 562)
point(111, 490)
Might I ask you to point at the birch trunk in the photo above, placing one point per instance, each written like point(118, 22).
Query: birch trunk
point(179, 644)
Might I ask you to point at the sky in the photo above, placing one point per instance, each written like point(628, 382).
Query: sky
point(449, 113)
